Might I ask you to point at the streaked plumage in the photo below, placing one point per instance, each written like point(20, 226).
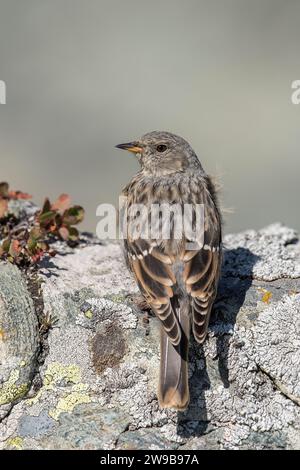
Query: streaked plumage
point(178, 283)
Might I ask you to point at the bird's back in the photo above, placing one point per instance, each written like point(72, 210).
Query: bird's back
point(173, 247)
point(185, 259)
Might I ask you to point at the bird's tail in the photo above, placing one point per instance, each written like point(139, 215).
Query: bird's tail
point(173, 384)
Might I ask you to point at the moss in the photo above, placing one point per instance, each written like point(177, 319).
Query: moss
point(10, 390)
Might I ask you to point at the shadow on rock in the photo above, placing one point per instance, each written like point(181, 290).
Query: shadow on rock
point(231, 297)
point(232, 292)
point(194, 421)
point(50, 267)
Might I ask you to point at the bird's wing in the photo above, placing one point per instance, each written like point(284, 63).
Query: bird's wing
point(202, 267)
point(155, 278)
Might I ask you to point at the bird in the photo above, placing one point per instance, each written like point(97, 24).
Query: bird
point(177, 272)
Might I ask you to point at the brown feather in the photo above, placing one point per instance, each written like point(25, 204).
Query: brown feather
point(176, 281)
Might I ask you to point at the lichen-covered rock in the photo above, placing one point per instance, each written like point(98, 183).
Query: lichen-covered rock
point(99, 379)
point(18, 337)
point(275, 250)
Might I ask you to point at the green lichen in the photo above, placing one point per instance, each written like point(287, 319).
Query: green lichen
point(10, 391)
point(15, 442)
point(117, 298)
point(89, 314)
point(57, 373)
point(67, 403)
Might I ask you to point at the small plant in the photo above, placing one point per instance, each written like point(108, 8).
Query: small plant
point(25, 242)
point(58, 219)
point(47, 322)
point(6, 195)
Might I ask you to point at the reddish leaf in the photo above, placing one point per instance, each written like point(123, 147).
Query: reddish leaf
point(3, 208)
point(15, 248)
point(64, 233)
point(37, 256)
point(18, 195)
point(62, 203)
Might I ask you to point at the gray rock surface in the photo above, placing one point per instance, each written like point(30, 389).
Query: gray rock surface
point(96, 387)
point(19, 342)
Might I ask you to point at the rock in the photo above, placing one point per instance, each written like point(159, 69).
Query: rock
point(97, 384)
point(22, 208)
point(18, 337)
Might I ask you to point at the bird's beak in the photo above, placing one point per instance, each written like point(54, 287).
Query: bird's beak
point(133, 147)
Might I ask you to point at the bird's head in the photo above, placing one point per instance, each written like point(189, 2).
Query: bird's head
point(163, 153)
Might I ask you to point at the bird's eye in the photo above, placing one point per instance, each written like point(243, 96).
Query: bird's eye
point(161, 148)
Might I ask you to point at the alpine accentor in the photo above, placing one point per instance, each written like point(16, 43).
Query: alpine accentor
point(177, 274)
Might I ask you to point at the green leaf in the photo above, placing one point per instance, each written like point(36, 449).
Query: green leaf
point(35, 233)
point(73, 216)
point(46, 206)
point(4, 189)
point(47, 217)
point(73, 234)
point(43, 246)
point(31, 244)
point(58, 220)
point(5, 245)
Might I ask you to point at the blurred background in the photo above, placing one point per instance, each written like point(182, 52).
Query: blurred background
point(82, 76)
